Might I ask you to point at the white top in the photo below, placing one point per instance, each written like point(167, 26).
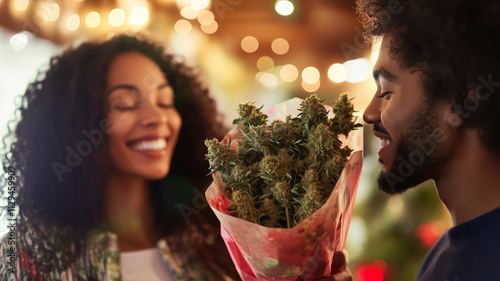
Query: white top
point(145, 265)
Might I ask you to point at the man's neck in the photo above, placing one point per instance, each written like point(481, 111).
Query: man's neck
point(469, 184)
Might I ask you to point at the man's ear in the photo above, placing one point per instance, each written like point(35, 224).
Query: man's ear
point(456, 114)
point(452, 118)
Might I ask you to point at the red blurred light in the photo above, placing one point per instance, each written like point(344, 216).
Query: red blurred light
point(370, 273)
point(427, 234)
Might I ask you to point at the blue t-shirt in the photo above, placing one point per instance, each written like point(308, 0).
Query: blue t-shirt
point(467, 252)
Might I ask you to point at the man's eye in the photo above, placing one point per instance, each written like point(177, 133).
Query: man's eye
point(384, 95)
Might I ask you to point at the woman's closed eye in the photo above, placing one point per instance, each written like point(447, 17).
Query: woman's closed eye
point(124, 98)
point(119, 107)
point(165, 97)
point(166, 105)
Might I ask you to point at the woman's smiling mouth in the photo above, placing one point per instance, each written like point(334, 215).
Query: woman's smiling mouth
point(149, 145)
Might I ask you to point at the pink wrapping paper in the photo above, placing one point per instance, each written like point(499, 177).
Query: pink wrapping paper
point(304, 252)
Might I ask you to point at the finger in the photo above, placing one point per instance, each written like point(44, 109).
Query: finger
point(340, 260)
point(344, 275)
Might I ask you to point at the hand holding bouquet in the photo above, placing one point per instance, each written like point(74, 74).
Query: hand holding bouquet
point(282, 190)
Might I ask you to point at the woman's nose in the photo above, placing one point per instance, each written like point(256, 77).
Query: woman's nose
point(152, 114)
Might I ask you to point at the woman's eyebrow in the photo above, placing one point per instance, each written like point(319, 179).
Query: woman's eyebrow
point(123, 86)
point(166, 84)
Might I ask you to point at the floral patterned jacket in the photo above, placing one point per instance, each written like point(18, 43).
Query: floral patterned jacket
point(100, 260)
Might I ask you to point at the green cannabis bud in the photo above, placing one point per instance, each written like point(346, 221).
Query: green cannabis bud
point(286, 170)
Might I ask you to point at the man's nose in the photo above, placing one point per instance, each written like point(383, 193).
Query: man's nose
point(372, 112)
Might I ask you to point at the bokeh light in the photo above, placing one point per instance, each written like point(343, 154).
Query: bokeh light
point(73, 22)
point(206, 17)
point(93, 19)
point(249, 44)
point(210, 28)
point(139, 16)
point(200, 4)
point(310, 87)
point(284, 7)
point(370, 273)
point(357, 70)
point(189, 12)
point(268, 80)
point(116, 17)
point(357, 236)
point(265, 63)
point(183, 3)
point(18, 42)
point(289, 73)
point(51, 12)
point(280, 46)
point(183, 27)
point(395, 205)
point(310, 75)
point(336, 73)
point(21, 5)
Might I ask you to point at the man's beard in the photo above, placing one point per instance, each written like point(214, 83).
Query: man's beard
point(418, 152)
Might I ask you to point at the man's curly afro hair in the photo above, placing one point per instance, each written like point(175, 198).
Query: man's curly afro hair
point(455, 44)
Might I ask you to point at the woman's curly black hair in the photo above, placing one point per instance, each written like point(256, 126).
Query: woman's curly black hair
point(456, 46)
point(62, 187)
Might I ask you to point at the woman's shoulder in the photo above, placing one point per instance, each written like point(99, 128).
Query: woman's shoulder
point(27, 256)
point(12, 254)
point(8, 256)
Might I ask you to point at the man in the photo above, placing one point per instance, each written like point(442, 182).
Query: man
point(437, 113)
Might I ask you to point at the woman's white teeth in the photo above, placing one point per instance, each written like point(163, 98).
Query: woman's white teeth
point(150, 145)
point(385, 142)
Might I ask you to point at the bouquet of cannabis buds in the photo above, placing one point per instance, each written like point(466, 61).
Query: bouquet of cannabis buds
point(286, 170)
point(283, 189)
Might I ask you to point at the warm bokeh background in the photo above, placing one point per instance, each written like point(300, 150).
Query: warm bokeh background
point(264, 51)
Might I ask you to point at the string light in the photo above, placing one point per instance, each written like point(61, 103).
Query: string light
point(73, 22)
point(116, 17)
point(93, 19)
point(284, 7)
point(280, 46)
point(249, 44)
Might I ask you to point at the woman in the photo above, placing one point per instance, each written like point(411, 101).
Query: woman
point(110, 168)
